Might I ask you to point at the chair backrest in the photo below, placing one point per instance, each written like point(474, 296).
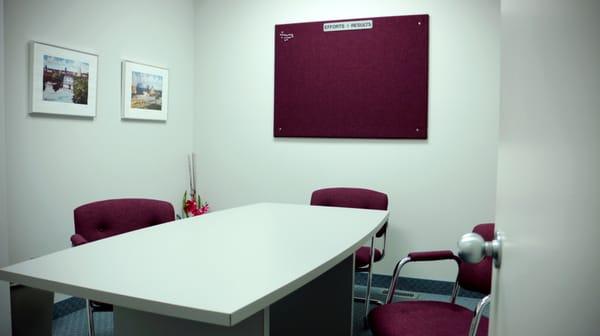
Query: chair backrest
point(351, 198)
point(102, 219)
point(478, 277)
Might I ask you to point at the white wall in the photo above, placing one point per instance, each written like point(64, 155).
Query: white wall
point(4, 290)
point(56, 164)
point(438, 188)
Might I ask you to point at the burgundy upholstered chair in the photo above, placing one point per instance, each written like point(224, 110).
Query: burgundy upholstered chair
point(430, 318)
point(102, 219)
point(364, 199)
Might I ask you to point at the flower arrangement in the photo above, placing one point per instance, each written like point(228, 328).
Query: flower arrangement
point(192, 204)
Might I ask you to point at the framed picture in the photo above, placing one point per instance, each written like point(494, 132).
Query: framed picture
point(145, 91)
point(63, 81)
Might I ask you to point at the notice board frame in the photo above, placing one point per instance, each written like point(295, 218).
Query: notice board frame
point(352, 83)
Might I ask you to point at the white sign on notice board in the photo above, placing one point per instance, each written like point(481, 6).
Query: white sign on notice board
point(347, 25)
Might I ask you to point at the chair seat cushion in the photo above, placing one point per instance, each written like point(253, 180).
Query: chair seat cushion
point(423, 318)
point(362, 257)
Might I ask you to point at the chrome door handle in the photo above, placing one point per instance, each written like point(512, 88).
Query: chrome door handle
point(472, 248)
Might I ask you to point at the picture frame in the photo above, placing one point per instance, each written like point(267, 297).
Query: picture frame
point(63, 80)
point(145, 91)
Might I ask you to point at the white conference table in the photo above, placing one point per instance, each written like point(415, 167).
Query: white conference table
point(262, 269)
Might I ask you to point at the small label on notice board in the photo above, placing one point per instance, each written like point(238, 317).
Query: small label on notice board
point(347, 25)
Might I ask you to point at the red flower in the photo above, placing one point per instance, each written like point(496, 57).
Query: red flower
point(191, 208)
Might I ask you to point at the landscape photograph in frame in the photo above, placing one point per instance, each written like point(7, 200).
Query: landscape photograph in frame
point(145, 91)
point(63, 81)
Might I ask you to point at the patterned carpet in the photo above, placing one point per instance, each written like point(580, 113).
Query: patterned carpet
point(75, 324)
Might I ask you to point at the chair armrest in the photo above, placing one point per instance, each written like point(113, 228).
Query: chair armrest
point(414, 257)
point(382, 231)
point(78, 239)
point(433, 255)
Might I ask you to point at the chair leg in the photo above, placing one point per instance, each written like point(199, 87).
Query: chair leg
point(370, 277)
point(90, 318)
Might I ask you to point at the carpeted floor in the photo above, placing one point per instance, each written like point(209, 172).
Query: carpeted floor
point(75, 324)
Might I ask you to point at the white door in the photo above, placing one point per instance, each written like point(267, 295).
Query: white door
point(548, 203)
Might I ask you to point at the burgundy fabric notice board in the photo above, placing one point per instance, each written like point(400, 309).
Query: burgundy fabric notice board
point(352, 83)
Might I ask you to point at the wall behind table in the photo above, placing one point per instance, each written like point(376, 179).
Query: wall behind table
point(56, 164)
point(438, 188)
